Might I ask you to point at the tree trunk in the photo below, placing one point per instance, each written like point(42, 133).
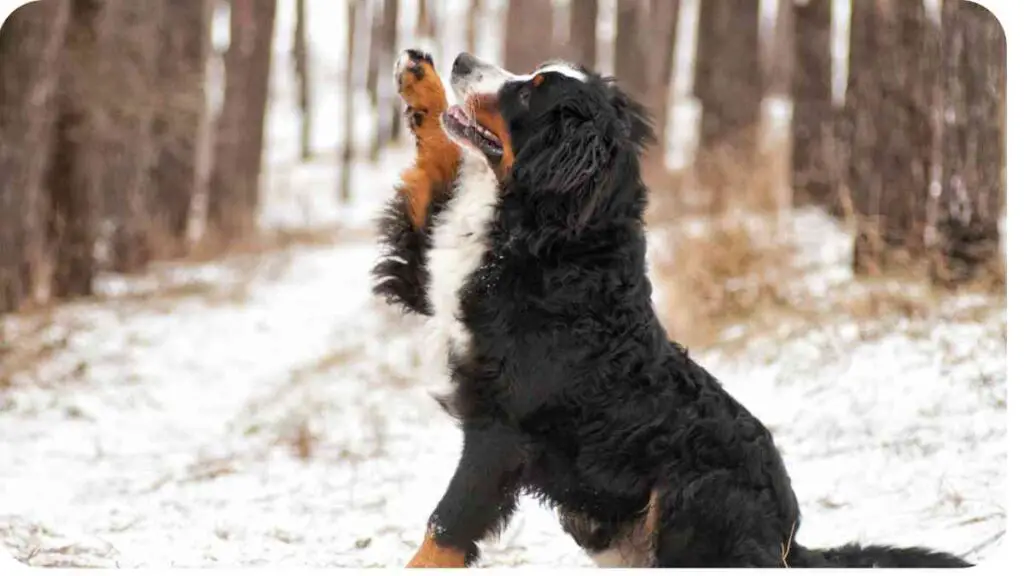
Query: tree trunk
point(373, 71)
point(235, 182)
point(181, 123)
point(778, 69)
point(583, 32)
point(529, 34)
point(728, 83)
point(813, 147)
point(425, 27)
point(631, 56)
point(664, 18)
point(973, 192)
point(73, 178)
point(389, 112)
point(30, 45)
point(348, 93)
point(300, 60)
point(472, 21)
point(130, 45)
point(891, 153)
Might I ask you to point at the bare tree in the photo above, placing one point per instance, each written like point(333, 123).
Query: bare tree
point(130, 45)
point(631, 56)
point(73, 177)
point(425, 25)
point(813, 157)
point(300, 61)
point(891, 94)
point(727, 79)
point(529, 34)
point(778, 53)
point(180, 125)
point(583, 31)
point(973, 187)
point(472, 21)
point(389, 112)
point(664, 18)
point(355, 13)
point(30, 45)
point(373, 70)
point(235, 182)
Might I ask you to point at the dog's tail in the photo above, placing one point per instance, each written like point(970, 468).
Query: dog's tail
point(857, 556)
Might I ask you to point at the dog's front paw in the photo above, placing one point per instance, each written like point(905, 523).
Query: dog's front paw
point(418, 84)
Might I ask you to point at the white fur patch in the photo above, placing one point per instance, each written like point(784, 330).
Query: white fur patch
point(459, 245)
point(563, 69)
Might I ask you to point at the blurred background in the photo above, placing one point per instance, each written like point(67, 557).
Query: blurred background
point(192, 369)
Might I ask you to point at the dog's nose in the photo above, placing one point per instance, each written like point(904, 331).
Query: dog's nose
point(464, 64)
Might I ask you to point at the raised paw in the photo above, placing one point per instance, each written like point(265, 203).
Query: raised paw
point(419, 86)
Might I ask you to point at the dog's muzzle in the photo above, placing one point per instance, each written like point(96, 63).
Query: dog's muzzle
point(471, 75)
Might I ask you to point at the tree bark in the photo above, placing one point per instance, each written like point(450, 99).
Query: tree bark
point(664, 18)
point(181, 123)
point(389, 112)
point(583, 32)
point(779, 52)
point(728, 84)
point(73, 177)
point(300, 61)
point(355, 16)
point(973, 188)
point(813, 147)
point(728, 79)
point(891, 153)
point(30, 45)
point(472, 20)
point(529, 34)
point(631, 56)
point(130, 45)
point(235, 182)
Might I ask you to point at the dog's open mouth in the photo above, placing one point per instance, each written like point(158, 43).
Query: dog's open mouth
point(459, 125)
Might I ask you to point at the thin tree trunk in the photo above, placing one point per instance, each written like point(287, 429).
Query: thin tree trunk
point(973, 193)
point(373, 71)
point(235, 182)
point(389, 112)
point(74, 173)
point(664, 19)
point(29, 49)
point(529, 34)
point(631, 56)
point(130, 47)
point(728, 83)
point(472, 21)
point(813, 159)
point(583, 31)
point(300, 59)
point(425, 27)
point(780, 61)
point(355, 13)
point(891, 153)
point(182, 122)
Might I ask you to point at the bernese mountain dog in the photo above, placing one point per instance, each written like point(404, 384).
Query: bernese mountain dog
point(519, 232)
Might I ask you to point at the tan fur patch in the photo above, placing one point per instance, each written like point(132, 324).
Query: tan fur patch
point(433, 555)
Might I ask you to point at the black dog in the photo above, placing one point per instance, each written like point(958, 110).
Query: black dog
point(530, 259)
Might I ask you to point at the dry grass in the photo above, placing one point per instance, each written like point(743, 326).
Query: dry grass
point(728, 269)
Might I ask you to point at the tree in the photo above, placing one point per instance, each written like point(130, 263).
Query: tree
point(181, 125)
point(529, 34)
point(30, 44)
point(778, 68)
point(130, 46)
point(813, 147)
point(373, 70)
point(300, 62)
point(583, 32)
point(890, 93)
point(73, 175)
point(973, 192)
point(727, 81)
point(390, 111)
point(355, 13)
point(630, 62)
point(235, 181)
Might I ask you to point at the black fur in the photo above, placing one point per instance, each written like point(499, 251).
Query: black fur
point(571, 389)
point(400, 277)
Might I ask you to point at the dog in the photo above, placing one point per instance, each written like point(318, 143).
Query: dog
point(519, 232)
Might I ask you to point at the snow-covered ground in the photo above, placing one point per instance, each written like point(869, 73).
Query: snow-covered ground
point(265, 410)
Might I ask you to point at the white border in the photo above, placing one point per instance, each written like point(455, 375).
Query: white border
point(1008, 12)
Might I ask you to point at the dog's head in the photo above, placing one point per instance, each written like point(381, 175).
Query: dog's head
point(559, 130)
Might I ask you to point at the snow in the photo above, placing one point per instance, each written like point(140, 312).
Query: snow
point(266, 411)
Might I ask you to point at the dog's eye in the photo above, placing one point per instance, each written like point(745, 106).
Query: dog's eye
point(524, 96)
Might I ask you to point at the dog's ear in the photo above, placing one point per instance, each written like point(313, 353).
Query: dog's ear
point(566, 160)
point(634, 116)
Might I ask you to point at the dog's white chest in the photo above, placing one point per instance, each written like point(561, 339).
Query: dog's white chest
point(459, 245)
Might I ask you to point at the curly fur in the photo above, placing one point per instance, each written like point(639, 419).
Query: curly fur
point(569, 387)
